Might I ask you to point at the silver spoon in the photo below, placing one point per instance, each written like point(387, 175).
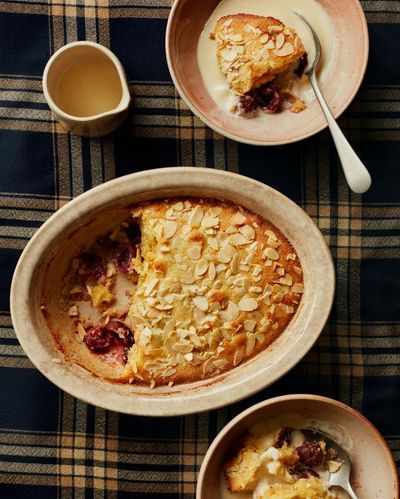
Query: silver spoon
point(356, 174)
point(340, 478)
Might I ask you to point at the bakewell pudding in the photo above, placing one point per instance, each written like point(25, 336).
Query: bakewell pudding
point(281, 464)
point(260, 57)
point(181, 291)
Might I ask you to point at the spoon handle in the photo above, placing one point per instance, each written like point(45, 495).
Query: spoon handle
point(350, 492)
point(356, 174)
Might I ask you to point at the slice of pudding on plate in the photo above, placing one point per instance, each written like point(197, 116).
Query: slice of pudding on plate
point(259, 57)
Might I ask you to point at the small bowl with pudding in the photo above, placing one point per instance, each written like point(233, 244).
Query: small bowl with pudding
point(239, 65)
point(263, 453)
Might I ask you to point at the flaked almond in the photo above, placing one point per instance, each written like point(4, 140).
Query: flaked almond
point(170, 227)
point(248, 304)
point(234, 266)
point(213, 243)
point(275, 28)
point(270, 45)
point(196, 216)
point(238, 240)
point(297, 288)
point(271, 234)
point(208, 365)
point(238, 357)
point(230, 313)
point(211, 271)
point(150, 286)
point(237, 38)
point(194, 252)
point(297, 270)
point(264, 38)
point(273, 244)
point(248, 232)
point(286, 280)
point(279, 41)
point(169, 327)
point(201, 267)
point(229, 54)
point(187, 279)
point(249, 325)
point(182, 347)
point(188, 356)
point(201, 303)
point(271, 253)
point(250, 343)
point(169, 372)
point(178, 206)
point(286, 50)
point(238, 218)
point(224, 257)
point(208, 222)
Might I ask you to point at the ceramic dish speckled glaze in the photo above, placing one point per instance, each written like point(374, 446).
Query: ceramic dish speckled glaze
point(374, 473)
point(346, 71)
point(39, 275)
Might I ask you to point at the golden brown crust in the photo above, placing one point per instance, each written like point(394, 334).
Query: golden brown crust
point(252, 50)
point(216, 285)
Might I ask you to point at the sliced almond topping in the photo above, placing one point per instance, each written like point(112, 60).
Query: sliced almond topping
point(231, 312)
point(208, 365)
point(270, 44)
point(178, 206)
point(297, 288)
point(170, 227)
point(238, 357)
point(213, 243)
point(286, 50)
point(248, 304)
point(223, 257)
point(260, 337)
point(297, 270)
point(189, 356)
point(255, 289)
point(187, 279)
point(248, 232)
point(264, 38)
point(169, 372)
point(229, 54)
point(211, 271)
point(208, 222)
point(234, 266)
point(275, 28)
point(182, 347)
point(194, 252)
point(169, 327)
point(280, 40)
point(271, 253)
point(238, 218)
point(287, 280)
point(291, 256)
point(280, 271)
point(251, 341)
point(201, 267)
point(238, 240)
point(249, 325)
point(201, 303)
point(271, 234)
point(151, 285)
point(196, 216)
point(273, 244)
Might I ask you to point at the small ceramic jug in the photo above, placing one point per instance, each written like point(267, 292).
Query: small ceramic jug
point(85, 86)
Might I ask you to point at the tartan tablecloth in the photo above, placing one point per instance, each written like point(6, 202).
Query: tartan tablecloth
point(54, 446)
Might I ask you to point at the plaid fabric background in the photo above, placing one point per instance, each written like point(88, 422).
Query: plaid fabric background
point(53, 446)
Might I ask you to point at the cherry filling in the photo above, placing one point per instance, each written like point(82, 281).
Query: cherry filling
point(122, 257)
point(94, 266)
point(310, 454)
point(114, 337)
point(265, 97)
